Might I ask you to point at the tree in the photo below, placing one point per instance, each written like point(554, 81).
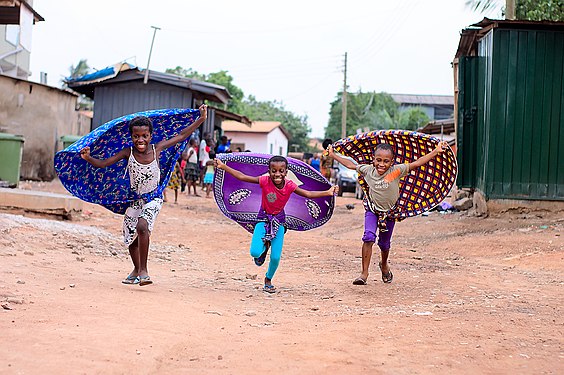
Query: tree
point(251, 107)
point(275, 111)
point(81, 69)
point(221, 78)
point(532, 10)
point(365, 111)
point(412, 118)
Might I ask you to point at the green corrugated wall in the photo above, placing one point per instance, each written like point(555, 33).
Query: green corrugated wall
point(511, 115)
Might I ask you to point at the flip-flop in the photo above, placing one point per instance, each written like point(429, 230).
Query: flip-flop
point(129, 280)
point(144, 280)
point(269, 288)
point(359, 281)
point(386, 277)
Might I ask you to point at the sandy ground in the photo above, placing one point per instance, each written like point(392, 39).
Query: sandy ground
point(470, 296)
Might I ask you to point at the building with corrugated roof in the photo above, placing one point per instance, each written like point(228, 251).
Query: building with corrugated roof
point(267, 137)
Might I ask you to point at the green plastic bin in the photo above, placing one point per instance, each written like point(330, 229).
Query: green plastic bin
point(11, 148)
point(69, 140)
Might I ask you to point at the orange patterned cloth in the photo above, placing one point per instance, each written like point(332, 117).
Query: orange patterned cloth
point(423, 188)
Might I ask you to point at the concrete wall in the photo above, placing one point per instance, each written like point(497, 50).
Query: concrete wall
point(261, 142)
point(277, 143)
point(42, 114)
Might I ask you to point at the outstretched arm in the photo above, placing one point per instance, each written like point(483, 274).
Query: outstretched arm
point(346, 162)
point(184, 133)
point(441, 147)
point(103, 163)
point(235, 173)
point(317, 194)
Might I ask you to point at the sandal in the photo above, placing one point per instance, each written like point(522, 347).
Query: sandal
point(144, 280)
point(130, 279)
point(386, 277)
point(269, 288)
point(359, 281)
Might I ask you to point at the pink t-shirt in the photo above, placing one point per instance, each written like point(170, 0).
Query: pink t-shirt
point(274, 199)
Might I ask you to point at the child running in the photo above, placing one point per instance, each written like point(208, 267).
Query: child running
point(383, 179)
point(144, 174)
point(276, 191)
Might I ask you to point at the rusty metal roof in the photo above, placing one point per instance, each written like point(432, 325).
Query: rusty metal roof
point(470, 36)
point(10, 12)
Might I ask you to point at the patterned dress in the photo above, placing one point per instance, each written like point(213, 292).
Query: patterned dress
point(144, 179)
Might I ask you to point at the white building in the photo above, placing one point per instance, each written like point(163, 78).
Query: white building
point(266, 137)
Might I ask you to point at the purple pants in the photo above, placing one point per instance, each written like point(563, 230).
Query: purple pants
point(370, 227)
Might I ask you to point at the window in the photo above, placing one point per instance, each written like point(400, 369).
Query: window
point(271, 148)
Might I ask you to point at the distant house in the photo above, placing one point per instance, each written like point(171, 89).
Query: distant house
point(437, 107)
point(121, 89)
point(15, 38)
point(442, 129)
point(509, 86)
point(267, 137)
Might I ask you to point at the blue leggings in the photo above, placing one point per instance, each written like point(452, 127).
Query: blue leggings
point(257, 247)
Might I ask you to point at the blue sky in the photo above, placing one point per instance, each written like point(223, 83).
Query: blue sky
point(289, 51)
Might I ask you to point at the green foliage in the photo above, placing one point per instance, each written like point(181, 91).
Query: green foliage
point(251, 107)
point(365, 111)
point(221, 78)
point(412, 118)
point(275, 111)
point(81, 69)
point(538, 10)
point(532, 10)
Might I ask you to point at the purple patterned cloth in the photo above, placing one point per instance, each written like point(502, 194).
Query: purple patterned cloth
point(241, 201)
point(110, 186)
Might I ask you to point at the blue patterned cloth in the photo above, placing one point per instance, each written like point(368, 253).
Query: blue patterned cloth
point(110, 186)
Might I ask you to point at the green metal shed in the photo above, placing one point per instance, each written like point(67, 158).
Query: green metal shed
point(510, 109)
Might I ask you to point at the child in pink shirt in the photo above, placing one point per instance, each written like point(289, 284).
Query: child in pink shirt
point(276, 191)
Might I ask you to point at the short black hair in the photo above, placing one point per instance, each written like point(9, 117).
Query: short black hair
point(385, 147)
point(278, 159)
point(141, 121)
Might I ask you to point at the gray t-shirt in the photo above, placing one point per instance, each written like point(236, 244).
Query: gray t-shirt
point(384, 189)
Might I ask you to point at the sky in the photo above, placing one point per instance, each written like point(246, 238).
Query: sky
point(287, 51)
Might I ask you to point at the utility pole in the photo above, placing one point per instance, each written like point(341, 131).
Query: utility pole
point(150, 51)
point(344, 115)
point(510, 9)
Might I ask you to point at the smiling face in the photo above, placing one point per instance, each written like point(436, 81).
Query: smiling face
point(383, 160)
point(141, 136)
point(277, 171)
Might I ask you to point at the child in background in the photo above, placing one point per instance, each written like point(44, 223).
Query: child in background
point(383, 178)
point(174, 183)
point(191, 172)
point(144, 174)
point(208, 177)
point(276, 191)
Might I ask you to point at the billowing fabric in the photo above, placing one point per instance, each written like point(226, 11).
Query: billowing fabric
point(241, 201)
point(110, 186)
point(423, 188)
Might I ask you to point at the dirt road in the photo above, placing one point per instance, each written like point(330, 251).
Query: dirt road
point(470, 296)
